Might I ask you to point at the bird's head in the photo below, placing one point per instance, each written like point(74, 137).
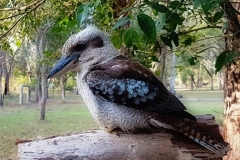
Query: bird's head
point(84, 49)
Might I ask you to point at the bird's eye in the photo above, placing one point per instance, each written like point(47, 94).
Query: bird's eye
point(80, 47)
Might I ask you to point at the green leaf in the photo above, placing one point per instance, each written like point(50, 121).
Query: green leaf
point(220, 61)
point(231, 56)
point(18, 43)
point(208, 5)
point(82, 13)
point(56, 29)
point(175, 18)
point(147, 25)
point(166, 41)
point(219, 1)
point(160, 8)
point(147, 2)
point(174, 37)
point(193, 61)
point(122, 21)
point(64, 22)
point(218, 15)
point(97, 2)
point(174, 4)
point(47, 53)
point(71, 23)
point(188, 41)
point(130, 36)
point(157, 72)
point(196, 3)
point(116, 39)
point(170, 27)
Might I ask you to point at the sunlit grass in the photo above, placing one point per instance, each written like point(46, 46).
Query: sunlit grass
point(204, 102)
point(21, 122)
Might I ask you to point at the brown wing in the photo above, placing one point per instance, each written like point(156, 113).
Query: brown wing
point(126, 82)
point(123, 67)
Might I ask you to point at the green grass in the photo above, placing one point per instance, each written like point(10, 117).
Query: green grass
point(201, 94)
point(204, 102)
point(21, 122)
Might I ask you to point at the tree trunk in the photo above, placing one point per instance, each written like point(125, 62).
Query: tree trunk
point(6, 71)
point(220, 80)
point(40, 47)
point(212, 79)
point(232, 82)
point(6, 85)
point(36, 94)
point(191, 83)
point(1, 73)
point(163, 61)
point(62, 88)
point(232, 109)
point(44, 93)
point(173, 74)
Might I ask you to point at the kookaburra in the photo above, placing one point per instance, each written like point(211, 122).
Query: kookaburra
point(121, 93)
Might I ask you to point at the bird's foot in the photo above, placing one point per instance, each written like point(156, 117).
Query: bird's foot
point(115, 131)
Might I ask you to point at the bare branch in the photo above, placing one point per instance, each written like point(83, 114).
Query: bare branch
point(11, 16)
point(24, 7)
point(15, 53)
point(197, 29)
point(19, 19)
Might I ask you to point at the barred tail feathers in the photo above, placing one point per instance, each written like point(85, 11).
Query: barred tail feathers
point(188, 128)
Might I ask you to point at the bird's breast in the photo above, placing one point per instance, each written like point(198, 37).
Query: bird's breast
point(112, 115)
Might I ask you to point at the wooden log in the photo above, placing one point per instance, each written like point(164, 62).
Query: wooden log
point(100, 145)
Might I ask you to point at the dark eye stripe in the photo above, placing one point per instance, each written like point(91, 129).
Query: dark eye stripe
point(80, 47)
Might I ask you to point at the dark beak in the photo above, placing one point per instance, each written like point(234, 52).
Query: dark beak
point(63, 65)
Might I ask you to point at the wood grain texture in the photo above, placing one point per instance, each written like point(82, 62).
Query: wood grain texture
point(100, 145)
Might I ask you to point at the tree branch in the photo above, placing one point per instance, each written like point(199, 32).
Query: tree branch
point(13, 16)
point(19, 19)
point(197, 29)
point(24, 7)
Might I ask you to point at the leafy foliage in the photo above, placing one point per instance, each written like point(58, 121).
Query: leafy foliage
point(148, 26)
point(225, 58)
point(145, 27)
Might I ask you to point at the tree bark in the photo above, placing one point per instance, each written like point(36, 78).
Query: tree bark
point(44, 93)
point(6, 71)
point(62, 88)
point(173, 74)
point(232, 82)
point(1, 74)
point(40, 46)
point(211, 77)
point(163, 61)
point(220, 87)
point(232, 109)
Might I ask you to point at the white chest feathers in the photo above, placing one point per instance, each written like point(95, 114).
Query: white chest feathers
point(109, 115)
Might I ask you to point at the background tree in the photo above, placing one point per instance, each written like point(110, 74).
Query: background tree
point(17, 19)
